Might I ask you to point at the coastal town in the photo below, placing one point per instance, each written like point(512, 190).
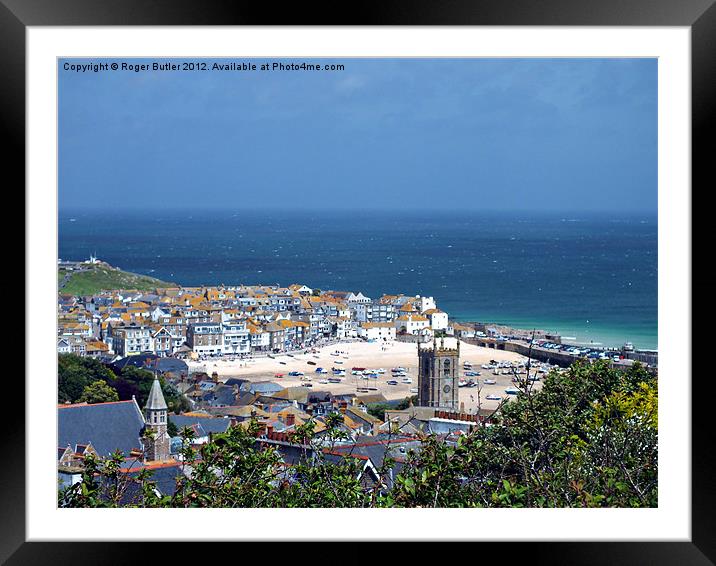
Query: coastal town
point(393, 367)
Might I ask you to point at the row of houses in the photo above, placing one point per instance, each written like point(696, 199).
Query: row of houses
point(235, 321)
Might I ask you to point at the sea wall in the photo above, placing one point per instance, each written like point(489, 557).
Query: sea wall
point(561, 359)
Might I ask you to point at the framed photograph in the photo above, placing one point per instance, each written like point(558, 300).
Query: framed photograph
point(416, 276)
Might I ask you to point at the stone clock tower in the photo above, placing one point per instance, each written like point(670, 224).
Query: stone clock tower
point(438, 376)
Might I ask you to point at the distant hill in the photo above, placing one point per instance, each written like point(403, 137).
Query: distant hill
point(89, 279)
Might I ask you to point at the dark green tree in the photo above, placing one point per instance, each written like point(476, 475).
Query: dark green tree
point(75, 373)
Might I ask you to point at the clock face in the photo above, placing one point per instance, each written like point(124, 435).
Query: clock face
point(446, 389)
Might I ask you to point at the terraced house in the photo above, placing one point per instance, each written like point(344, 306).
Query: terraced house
point(205, 338)
point(132, 339)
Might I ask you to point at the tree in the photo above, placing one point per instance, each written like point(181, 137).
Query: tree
point(75, 373)
point(172, 429)
point(98, 392)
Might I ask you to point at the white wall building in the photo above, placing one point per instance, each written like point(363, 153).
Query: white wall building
point(423, 304)
point(437, 318)
point(377, 331)
point(236, 337)
point(131, 340)
point(411, 323)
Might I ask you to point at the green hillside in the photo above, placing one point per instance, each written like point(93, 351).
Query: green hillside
point(96, 278)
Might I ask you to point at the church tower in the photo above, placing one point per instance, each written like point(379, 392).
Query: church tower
point(155, 420)
point(438, 376)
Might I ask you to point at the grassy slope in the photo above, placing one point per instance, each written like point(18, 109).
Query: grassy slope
point(100, 278)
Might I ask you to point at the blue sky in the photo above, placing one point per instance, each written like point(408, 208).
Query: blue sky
point(485, 134)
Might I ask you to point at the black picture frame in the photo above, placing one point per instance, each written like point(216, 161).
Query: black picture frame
point(699, 15)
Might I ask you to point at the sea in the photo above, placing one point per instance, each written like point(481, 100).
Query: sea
point(590, 277)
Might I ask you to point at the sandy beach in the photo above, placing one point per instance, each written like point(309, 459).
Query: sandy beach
point(371, 356)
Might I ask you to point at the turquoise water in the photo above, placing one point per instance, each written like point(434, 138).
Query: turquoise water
point(591, 277)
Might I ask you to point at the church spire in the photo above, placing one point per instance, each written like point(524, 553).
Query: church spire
point(155, 401)
point(156, 445)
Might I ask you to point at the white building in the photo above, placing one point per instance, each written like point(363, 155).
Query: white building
point(423, 304)
point(377, 331)
point(411, 323)
point(236, 337)
point(357, 299)
point(131, 340)
point(437, 318)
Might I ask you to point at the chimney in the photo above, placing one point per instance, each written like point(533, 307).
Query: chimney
point(290, 419)
point(269, 430)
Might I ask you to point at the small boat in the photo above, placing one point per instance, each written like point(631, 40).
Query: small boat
point(512, 391)
point(283, 363)
point(323, 381)
point(493, 397)
point(306, 384)
point(334, 380)
point(489, 382)
point(407, 380)
point(278, 375)
point(392, 382)
point(311, 363)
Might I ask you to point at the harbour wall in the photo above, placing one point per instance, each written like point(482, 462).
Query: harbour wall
point(561, 359)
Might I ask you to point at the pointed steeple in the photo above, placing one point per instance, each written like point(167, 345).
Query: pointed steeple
point(155, 401)
point(156, 447)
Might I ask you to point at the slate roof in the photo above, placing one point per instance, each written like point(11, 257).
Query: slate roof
point(151, 362)
point(208, 424)
point(266, 387)
point(222, 396)
point(108, 426)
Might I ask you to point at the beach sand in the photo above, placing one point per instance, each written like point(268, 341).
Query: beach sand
point(371, 356)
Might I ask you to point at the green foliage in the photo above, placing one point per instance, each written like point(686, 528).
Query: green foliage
point(97, 278)
point(98, 392)
point(172, 429)
point(378, 409)
point(588, 438)
point(75, 373)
